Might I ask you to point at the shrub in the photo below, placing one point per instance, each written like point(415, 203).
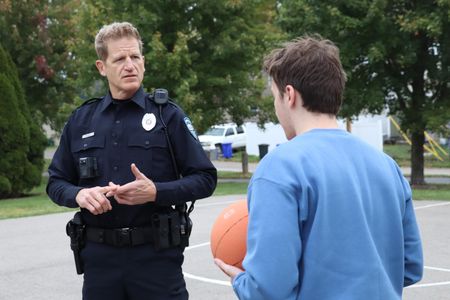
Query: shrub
point(22, 141)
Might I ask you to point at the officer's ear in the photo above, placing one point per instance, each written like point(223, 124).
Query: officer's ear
point(100, 64)
point(143, 60)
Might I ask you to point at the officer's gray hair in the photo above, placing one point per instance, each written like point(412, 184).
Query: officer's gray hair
point(114, 31)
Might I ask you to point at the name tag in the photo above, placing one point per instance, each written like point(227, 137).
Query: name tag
point(85, 136)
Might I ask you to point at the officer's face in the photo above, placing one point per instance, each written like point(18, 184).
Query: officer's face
point(124, 67)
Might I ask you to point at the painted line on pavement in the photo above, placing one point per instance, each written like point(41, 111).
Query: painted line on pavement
point(200, 278)
point(196, 246)
point(217, 203)
point(208, 280)
point(437, 269)
point(432, 205)
point(428, 285)
point(227, 283)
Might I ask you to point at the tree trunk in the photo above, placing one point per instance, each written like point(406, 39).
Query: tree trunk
point(417, 165)
point(244, 161)
point(349, 124)
point(417, 120)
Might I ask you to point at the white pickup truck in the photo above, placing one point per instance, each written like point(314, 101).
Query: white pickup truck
point(217, 135)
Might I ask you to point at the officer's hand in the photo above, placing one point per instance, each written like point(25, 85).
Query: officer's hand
point(94, 199)
point(139, 191)
point(230, 270)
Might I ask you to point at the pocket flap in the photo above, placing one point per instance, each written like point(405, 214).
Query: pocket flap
point(147, 140)
point(92, 142)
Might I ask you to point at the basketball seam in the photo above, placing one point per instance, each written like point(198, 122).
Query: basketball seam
point(229, 228)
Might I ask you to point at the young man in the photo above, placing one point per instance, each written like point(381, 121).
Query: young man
point(330, 217)
point(116, 163)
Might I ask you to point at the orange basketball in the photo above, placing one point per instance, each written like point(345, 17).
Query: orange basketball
point(229, 234)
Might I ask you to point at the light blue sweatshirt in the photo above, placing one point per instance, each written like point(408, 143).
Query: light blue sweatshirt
point(330, 217)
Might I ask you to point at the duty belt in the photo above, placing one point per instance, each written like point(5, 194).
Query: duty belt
point(120, 237)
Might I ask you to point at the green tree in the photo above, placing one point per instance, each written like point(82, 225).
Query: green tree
point(38, 35)
point(206, 53)
point(396, 54)
point(22, 142)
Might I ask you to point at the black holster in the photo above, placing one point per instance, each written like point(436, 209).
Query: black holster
point(171, 229)
point(75, 229)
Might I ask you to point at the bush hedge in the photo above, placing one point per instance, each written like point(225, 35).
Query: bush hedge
point(22, 142)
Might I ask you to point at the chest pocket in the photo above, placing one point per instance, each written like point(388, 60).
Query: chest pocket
point(147, 140)
point(151, 152)
point(87, 154)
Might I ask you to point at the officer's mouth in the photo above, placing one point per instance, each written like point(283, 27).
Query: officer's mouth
point(129, 76)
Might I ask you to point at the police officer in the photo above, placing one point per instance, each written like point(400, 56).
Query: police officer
point(127, 160)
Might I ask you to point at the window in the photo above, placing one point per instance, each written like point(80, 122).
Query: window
point(215, 131)
point(239, 129)
point(230, 131)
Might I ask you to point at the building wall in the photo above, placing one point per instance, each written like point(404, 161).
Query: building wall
point(368, 129)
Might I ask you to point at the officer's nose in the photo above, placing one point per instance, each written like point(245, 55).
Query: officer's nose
point(128, 63)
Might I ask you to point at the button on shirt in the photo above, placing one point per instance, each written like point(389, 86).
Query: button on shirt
point(112, 132)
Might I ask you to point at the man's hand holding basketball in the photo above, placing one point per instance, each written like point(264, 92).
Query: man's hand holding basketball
point(230, 270)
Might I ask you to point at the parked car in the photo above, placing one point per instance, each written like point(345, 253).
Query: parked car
point(217, 135)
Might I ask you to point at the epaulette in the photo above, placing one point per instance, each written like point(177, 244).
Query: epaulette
point(171, 102)
point(89, 101)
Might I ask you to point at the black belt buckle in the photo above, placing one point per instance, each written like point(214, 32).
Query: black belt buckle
point(123, 236)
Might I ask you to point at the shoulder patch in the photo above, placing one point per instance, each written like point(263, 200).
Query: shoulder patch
point(191, 128)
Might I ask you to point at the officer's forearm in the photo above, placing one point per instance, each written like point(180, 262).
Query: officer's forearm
point(189, 188)
point(62, 192)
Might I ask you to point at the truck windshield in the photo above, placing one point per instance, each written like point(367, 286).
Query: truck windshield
point(215, 131)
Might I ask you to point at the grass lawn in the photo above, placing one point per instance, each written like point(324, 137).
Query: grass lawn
point(37, 203)
point(401, 153)
point(29, 206)
point(432, 192)
point(237, 157)
point(231, 174)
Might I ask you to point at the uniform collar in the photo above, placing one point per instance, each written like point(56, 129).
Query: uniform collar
point(138, 98)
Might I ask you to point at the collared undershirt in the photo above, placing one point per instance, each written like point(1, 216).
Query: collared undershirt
point(120, 102)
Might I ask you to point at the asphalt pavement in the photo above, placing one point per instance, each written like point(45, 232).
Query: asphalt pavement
point(36, 262)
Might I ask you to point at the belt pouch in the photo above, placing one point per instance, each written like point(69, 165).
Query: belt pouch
point(175, 228)
point(160, 224)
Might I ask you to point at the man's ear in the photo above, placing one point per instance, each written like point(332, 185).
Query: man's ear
point(100, 67)
point(292, 95)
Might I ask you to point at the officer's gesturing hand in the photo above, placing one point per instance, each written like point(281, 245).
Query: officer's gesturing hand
point(94, 199)
point(139, 191)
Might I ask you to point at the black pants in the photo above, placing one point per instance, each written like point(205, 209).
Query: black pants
point(132, 273)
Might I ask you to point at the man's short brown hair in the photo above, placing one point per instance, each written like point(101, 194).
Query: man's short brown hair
point(312, 66)
point(114, 31)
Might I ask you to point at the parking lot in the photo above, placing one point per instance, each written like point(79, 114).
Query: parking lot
point(36, 262)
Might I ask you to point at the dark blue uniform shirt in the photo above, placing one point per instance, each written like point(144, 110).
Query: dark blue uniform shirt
point(113, 133)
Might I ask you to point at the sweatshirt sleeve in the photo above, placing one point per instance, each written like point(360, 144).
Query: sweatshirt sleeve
point(412, 241)
point(273, 244)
